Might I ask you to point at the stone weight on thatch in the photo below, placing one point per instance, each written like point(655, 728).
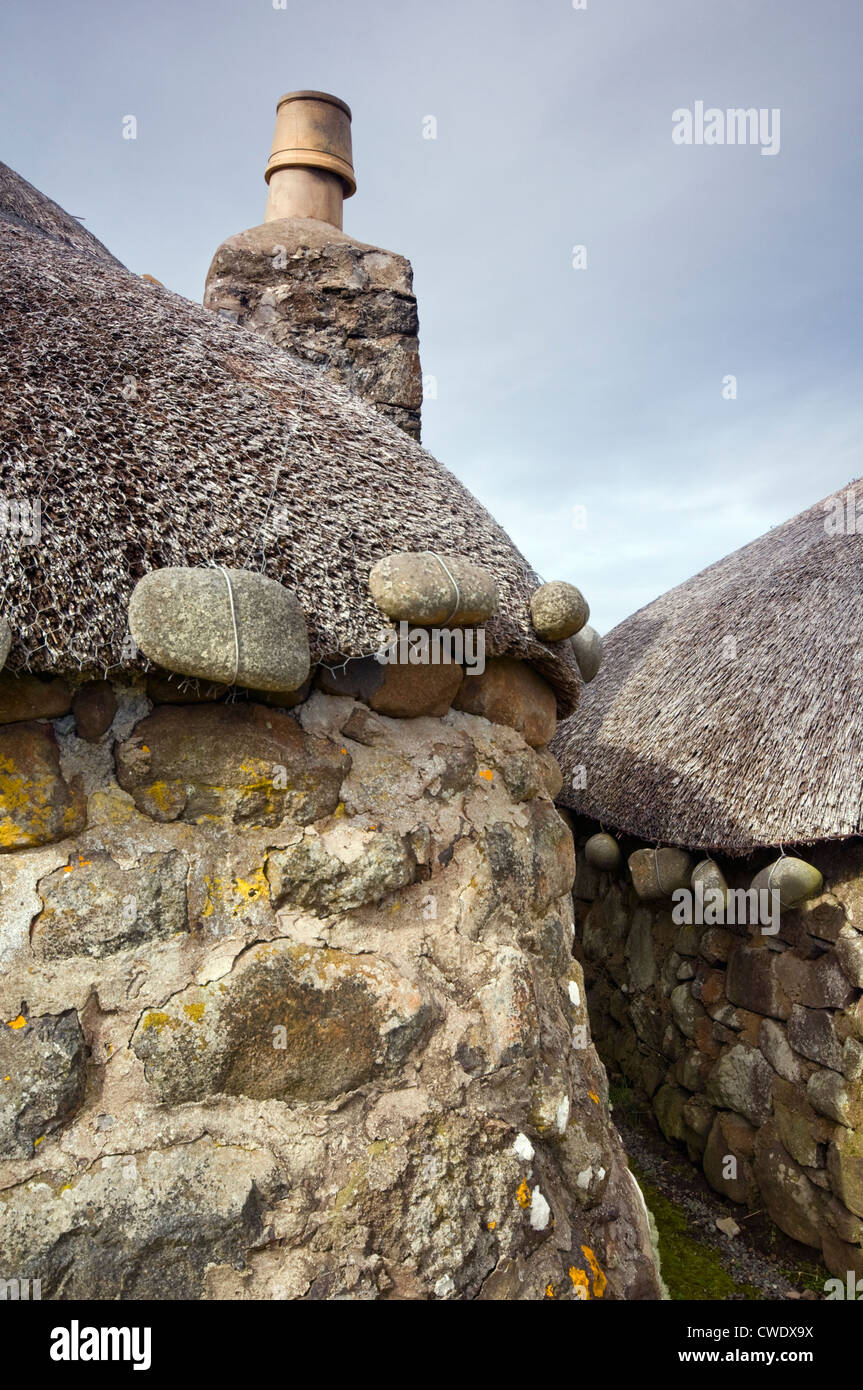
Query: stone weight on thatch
point(708, 873)
point(558, 610)
point(419, 587)
point(794, 878)
point(657, 873)
point(603, 852)
point(587, 646)
point(232, 626)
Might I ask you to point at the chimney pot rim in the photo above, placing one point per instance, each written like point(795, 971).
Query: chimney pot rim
point(315, 96)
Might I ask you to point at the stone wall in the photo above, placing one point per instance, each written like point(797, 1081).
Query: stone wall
point(748, 1045)
point(289, 1007)
point(335, 302)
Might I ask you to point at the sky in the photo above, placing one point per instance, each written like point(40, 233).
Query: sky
point(631, 411)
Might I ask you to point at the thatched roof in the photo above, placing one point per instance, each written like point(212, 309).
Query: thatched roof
point(684, 743)
point(157, 433)
point(24, 205)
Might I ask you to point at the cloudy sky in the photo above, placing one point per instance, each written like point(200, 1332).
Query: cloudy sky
point(585, 406)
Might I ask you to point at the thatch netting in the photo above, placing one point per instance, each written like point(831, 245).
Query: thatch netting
point(728, 713)
point(156, 433)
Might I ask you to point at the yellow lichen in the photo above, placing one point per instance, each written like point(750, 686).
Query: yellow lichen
point(357, 1181)
point(19, 1022)
point(162, 794)
point(246, 890)
point(599, 1279)
point(33, 800)
point(195, 1011)
point(255, 887)
point(157, 1020)
point(106, 807)
point(487, 773)
point(523, 1196)
point(580, 1282)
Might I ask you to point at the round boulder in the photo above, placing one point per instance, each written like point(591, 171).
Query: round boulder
point(94, 705)
point(551, 774)
point(603, 852)
point(234, 627)
point(708, 873)
point(587, 645)
point(794, 879)
point(657, 873)
point(511, 692)
point(558, 610)
point(399, 691)
point(418, 587)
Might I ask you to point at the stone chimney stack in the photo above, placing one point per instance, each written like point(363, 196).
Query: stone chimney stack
point(310, 171)
point(299, 280)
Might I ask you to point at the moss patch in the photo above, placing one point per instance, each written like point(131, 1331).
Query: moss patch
point(690, 1269)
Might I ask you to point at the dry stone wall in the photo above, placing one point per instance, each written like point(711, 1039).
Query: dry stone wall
point(749, 1045)
point(289, 1007)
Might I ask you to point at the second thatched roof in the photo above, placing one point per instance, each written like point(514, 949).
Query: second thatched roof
point(728, 714)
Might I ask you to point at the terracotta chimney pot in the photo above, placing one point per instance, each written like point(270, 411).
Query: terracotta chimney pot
point(310, 170)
